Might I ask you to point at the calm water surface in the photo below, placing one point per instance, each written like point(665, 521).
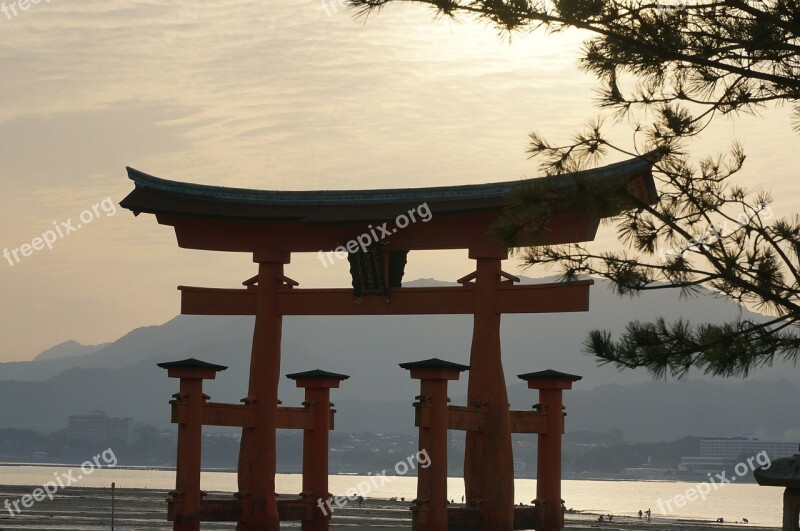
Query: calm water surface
point(761, 505)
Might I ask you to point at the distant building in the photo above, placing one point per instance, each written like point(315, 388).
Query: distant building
point(735, 447)
point(702, 465)
point(97, 427)
point(720, 453)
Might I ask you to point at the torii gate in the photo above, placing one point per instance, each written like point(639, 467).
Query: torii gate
point(271, 225)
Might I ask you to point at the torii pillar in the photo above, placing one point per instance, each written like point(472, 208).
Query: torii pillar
point(488, 458)
point(257, 456)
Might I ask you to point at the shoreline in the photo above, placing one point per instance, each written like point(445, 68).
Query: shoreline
point(89, 509)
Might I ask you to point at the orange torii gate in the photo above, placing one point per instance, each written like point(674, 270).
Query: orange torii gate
point(271, 225)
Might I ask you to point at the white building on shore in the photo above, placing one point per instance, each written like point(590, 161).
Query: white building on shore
point(97, 427)
point(719, 453)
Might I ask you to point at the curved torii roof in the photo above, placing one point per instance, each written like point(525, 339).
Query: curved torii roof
point(238, 219)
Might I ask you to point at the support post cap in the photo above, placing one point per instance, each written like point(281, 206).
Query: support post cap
point(549, 379)
point(317, 378)
point(192, 368)
point(434, 369)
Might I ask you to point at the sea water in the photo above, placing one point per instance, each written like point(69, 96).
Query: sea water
point(760, 505)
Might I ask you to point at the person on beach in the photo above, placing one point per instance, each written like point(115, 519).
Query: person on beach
point(640, 514)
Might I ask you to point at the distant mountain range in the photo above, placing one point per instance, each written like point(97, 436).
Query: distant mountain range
point(122, 378)
point(68, 349)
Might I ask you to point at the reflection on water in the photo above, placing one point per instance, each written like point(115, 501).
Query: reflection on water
point(760, 505)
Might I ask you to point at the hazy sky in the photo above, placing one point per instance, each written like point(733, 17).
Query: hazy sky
point(274, 95)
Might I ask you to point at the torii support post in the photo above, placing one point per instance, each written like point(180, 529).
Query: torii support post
point(257, 455)
point(551, 385)
point(317, 385)
point(430, 509)
point(791, 510)
point(186, 499)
